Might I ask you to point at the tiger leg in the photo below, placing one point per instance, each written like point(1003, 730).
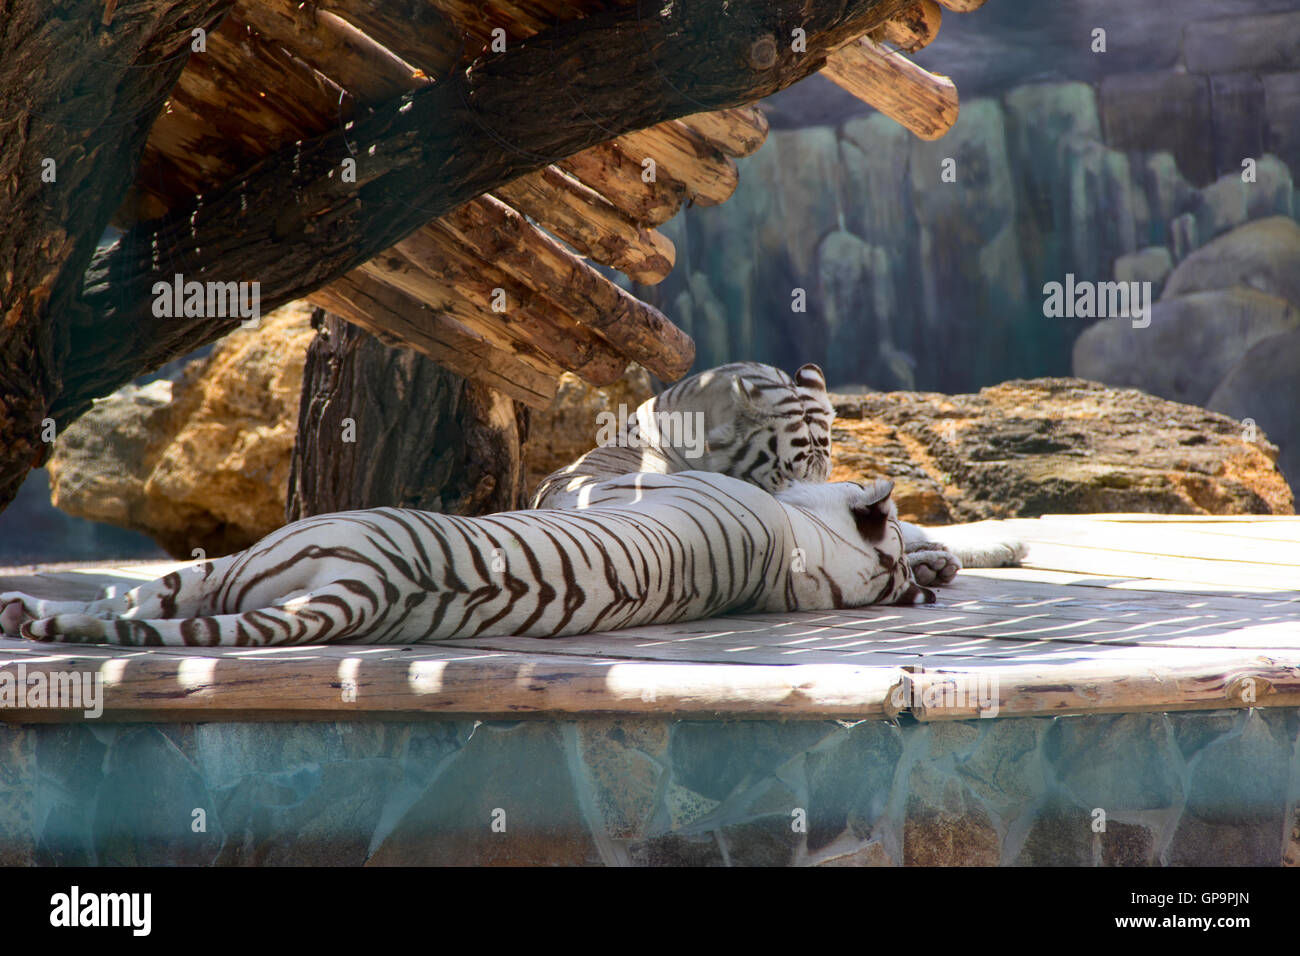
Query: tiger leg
point(330, 613)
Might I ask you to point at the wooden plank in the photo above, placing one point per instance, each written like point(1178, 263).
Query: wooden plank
point(157, 688)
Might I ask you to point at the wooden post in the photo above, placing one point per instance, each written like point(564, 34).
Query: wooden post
point(925, 103)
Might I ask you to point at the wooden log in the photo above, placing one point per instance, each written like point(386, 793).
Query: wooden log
point(429, 266)
point(1095, 687)
point(923, 102)
point(448, 444)
point(616, 176)
point(369, 71)
point(736, 132)
point(912, 29)
point(415, 30)
point(396, 318)
point(498, 234)
point(78, 101)
point(963, 6)
point(292, 224)
point(709, 174)
point(591, 224)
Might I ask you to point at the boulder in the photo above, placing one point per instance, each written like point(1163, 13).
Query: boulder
point(1054, 446)
point(1263, 255)
point(199, 464)
point(1192, 342)
point(1152, 264)
point(1262, 388)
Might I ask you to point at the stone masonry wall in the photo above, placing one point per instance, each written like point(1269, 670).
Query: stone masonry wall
point(1192, 788)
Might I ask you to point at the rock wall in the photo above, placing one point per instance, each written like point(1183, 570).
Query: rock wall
point(1200, 788)
point(908, 280)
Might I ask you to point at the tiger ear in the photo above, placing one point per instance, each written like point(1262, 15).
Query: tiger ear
point(810, 376)
point(871, 512)
point(745, 393)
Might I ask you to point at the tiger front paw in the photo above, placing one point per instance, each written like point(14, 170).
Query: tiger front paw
point(933, 565)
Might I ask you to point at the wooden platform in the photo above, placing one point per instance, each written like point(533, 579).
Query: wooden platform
point(1111, 613)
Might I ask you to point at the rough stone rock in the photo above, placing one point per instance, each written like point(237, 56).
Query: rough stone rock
point(1267, 43)
point(1281, 107)
point(1262, 386)
point(568, 429)
point(1192, 343)
point(1161, 111)
point(1152, 264)
point(1263, 255)
point(203, 463)
point(1053, 446)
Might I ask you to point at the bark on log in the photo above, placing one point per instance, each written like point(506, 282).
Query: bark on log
point(79, 98)
point(912, 29)
point(709, 174)
point(616, 176)
point(963, 6)
point(924, 102)
point(431, 265)
point(591, 224)
point(292, 224)
point(397, 320)
point(736, 132)
point(445, 444)
point(500, 235)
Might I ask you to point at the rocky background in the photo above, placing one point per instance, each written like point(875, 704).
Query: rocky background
point(1117, 165)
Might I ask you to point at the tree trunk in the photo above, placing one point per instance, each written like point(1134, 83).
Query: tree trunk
point(80, 86)
point(382, 425)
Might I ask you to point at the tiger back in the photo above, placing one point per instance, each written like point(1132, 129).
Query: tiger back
point(747, 420)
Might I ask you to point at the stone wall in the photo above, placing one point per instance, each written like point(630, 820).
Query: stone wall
point(915, 282)
point(1191, 788)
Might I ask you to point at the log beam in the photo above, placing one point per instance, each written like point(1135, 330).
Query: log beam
point(591, 224)
point(914, 28)
point(736, 132)
point(963, 6)
point(500, 235)
point(80, 87)
point(397, 319)
point(292, 223)
point(924, 102)
point(708, 173)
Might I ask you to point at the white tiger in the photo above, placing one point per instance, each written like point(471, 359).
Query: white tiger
point(757, 424)
point(648, 548)
point(765, 427)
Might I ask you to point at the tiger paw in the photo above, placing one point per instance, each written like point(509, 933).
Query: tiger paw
point(12, 616)
point(933, 565)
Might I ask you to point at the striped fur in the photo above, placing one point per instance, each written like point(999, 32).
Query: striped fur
point(647, 549)
point(758, 423)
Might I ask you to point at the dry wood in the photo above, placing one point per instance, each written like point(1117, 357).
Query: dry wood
point(616, 176)
point(415, 30)
point(912, 29)
point(963, 6)
point(293, 224)
point(924, 102)
point(498, 234)
point(427, 266)
point(160, 687)
point(1092, 687)
point(591, 224)
point(709, 174)
point(396, 318)
point(336, 48)
point(736, 132)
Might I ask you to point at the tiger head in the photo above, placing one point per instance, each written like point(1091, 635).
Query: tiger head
point(849, 546)
point(759, 424)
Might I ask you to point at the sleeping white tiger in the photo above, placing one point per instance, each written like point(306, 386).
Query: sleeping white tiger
point(648, 548)
point(765, 427)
